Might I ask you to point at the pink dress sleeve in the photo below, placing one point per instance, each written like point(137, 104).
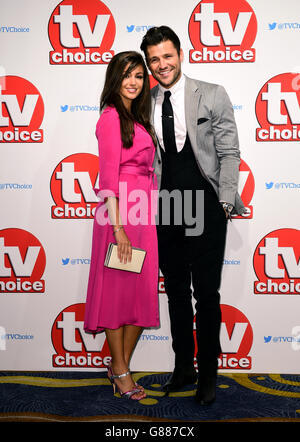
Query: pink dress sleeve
point(108, 133)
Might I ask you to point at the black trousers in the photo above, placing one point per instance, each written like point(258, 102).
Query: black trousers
point(196, 260)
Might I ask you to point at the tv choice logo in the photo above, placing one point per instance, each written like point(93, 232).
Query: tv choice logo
point(246, 188)
point(276, 263)
point(81, 32)
point(222, 32)
point(22, 262)
point(236, 339)
point(21, 111)
point(278, 109)
point(73, 347)
point(72, 183)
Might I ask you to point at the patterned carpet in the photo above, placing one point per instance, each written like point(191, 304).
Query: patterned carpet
point(88, 397)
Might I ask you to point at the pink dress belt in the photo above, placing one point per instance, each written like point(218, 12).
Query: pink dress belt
point(133, 170)
point(143, 171)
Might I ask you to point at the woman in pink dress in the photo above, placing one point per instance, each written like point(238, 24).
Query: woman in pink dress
point(118, 302)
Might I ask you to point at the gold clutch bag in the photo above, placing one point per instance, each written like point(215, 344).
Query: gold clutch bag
point(135, 265)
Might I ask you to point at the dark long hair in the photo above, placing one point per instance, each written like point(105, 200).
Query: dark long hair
point(141, 105)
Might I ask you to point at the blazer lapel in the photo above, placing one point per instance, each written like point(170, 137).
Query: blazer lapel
point(153, 102)
point(192, 101)
point(154, 92)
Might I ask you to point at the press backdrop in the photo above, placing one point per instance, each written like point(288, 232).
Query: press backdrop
point(53, 61)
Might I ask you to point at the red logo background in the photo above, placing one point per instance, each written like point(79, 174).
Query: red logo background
point(83, 358)
point(230, 317)
point(233, 8)
point(23, 239)
point(286, 238)
point(289, 83)
point(91, 9)
point(20, 87)
point(82, 162)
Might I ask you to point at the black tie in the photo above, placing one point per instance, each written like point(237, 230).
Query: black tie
point(168, 125)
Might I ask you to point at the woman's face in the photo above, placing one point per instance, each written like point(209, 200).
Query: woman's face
point(132, 85)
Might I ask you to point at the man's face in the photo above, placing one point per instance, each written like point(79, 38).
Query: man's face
point(164, 63)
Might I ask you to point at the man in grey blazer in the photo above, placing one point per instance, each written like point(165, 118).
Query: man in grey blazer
point(197, 152)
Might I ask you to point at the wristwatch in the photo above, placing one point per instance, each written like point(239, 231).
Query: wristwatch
point(228, 209)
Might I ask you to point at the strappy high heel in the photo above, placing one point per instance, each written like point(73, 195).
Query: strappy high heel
point(127, 394)
point(110, 374)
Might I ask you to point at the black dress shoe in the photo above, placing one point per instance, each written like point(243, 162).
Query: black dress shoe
point(206, 390)
point(180, 378)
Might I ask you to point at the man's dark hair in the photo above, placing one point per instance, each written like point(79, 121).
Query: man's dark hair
point(156, 35)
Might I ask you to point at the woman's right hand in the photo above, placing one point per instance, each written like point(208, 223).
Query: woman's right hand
point(124, 246)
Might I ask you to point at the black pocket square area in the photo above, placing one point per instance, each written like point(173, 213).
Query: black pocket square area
point(202, 120)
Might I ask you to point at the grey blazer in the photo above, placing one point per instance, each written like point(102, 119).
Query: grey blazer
point(213, 134)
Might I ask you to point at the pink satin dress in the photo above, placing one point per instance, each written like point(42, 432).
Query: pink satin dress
point(115, 297)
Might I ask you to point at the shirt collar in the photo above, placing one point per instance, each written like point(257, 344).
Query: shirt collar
point(178, 86)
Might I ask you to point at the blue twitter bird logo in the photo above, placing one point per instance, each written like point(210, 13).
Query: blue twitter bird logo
point(65, 261)
point(130, 28)
point(267, 339)
point(64, 108)
point(269, 185)
point(272, 26)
